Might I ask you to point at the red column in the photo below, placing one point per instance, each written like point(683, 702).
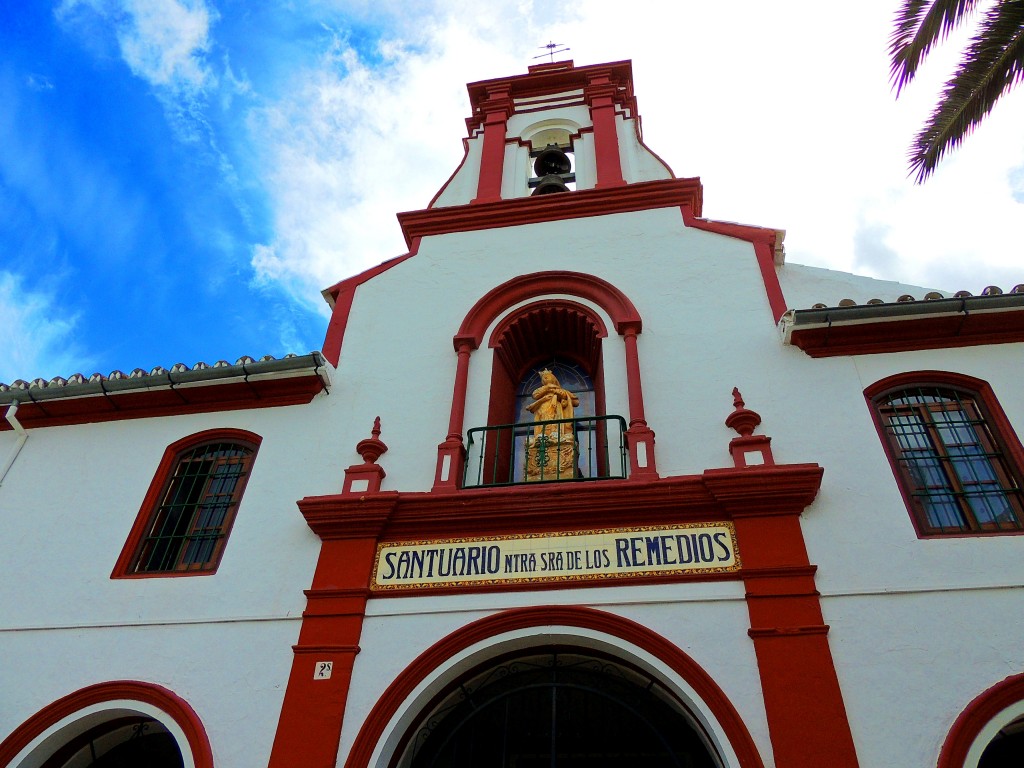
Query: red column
point(451, 453)
point(600, 95)
point(496, 110)
point(309, 729)
point(807, 719)
point(640, 437)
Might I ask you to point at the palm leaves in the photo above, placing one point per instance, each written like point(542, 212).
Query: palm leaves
point(991, 65)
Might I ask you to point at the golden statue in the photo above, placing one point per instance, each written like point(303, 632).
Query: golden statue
point(551, 452)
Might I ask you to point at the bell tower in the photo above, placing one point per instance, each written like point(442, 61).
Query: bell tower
point(556, 129)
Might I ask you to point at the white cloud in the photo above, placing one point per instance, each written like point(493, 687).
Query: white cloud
point(38, 335)
point(163, 41)
point(351, 145)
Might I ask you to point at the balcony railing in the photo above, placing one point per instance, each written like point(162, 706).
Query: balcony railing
point(591, 448)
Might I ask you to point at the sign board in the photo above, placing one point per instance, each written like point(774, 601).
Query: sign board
point(693, 548)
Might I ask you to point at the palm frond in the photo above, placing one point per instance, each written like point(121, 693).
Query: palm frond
point(920, 25)
point(990, 66)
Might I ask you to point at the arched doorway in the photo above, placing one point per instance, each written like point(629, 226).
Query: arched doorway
point(122, 742)
point(1006, 750)
point(557, 707)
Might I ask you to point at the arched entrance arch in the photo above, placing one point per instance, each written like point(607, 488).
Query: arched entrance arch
point(627, 322)
point(38, 739)
point(981, 722)
point(590, 633)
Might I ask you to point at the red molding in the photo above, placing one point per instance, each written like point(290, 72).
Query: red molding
point(544, 616)
point(902, 335)
point(157, 487)
point(343, 294)
point(641, 196)
point(175, 707)
point(177, 401)
point(519, 289)
point(975, 717)
point(764, 241)
point(717, 494)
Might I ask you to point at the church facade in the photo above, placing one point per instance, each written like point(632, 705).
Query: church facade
point(584, 478)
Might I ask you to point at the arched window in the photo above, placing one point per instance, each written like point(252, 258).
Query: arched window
point(188, 512)
point(562, 338)
point(954, 454)
point(558, 708)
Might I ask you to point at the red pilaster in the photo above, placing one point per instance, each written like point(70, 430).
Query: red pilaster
point(600, 95)
point(451, 453)
point(496, 110)
point(807, 719)
point(640, 436)
point(309, 730)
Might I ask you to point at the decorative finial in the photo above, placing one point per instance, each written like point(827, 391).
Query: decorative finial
point(737, 398)
point(551, 51)
point(372, 447)
point(742, 419)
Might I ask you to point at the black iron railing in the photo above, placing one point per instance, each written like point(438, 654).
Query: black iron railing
point(592, 448)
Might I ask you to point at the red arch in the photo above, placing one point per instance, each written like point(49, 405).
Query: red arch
point(176, 708)
point(976, 716)
point(497, 300)
point(541, 616)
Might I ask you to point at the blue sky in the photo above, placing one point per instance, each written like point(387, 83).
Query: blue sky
point(180, 178)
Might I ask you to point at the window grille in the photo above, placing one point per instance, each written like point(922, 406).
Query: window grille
point(955, 472)
point(188, 528)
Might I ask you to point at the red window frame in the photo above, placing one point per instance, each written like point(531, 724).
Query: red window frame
point(189, 509)
point(955, 456)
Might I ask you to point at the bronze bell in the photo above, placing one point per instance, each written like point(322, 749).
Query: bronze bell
point(552, 161)
point(550, 184)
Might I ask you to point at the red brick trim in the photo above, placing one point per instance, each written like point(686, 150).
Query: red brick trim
point(158, 486)
point(176, 708)
point(975, 717)
point(551, 616)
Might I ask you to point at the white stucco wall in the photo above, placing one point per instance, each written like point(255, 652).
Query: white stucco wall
point(899, 606)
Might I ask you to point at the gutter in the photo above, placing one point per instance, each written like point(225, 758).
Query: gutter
point(12, 409)
point(244, 369)
point(804, 319)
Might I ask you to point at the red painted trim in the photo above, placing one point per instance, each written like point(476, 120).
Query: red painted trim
point(764, 241)
point(519, 289)
point(912, 333)
point(343, 294)
point(544, 616)
point(995, 417)
point(157, 488)
point(562, 78)
point(175, 707)
point(600, 95)
point(313, 710)
point(716, 495)
point(641, 196)
point(462, 164)
point(765, 504)
point(975, 717)
point(177, 401)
